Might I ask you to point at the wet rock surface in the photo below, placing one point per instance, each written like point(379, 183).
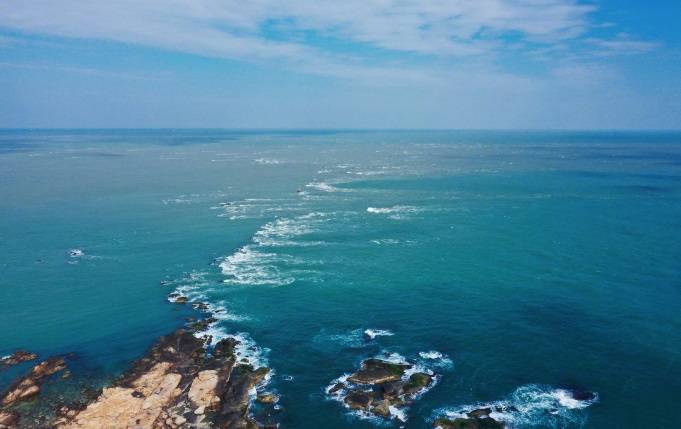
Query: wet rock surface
point(29, 386)
point(469, 423)
point(382, 388)
point(16, 358)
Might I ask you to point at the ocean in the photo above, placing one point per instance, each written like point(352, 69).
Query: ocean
point(512, 264)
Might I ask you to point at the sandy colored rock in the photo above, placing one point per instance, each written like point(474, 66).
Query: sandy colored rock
point(16, 358)
point(23, 390)
point(48, 367)
point(29, 386)
point(118, 408)
point(203, 391)
point(7, 419)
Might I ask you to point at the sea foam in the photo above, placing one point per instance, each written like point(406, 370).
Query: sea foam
point(531, 405)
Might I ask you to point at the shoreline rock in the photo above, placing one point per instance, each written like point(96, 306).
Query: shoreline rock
point(19, 356)
point(179, 383)
point(29, 386)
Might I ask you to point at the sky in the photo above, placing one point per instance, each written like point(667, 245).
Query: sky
point(480, 64)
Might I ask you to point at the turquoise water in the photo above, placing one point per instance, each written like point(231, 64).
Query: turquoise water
point(529, 261)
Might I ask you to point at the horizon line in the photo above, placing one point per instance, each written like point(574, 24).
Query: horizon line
point(349, 129)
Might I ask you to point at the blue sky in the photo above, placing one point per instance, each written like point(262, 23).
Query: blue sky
point(572, 64)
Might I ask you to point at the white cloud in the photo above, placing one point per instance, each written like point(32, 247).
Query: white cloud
point(234, 27)
point(279, 30)
point(621, 44)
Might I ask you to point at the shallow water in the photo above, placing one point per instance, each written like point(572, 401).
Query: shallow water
point(530, 262)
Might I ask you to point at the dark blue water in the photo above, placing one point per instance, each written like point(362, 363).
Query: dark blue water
point(512, 264)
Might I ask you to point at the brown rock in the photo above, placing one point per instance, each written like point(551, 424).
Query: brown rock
point(268, 398)
point(377, 371)
point(23, 390)
point(29, 386)
point(16, 358)
point(48, 367)
point(358, 400)
point(8, 419)
point(479, 413)
point(203, 391)
point(382, 408)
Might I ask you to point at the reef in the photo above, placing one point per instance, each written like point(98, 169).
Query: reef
point(16, 358)
point(29, 385)
point(382, 388)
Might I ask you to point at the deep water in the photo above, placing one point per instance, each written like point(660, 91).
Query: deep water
point(534, 261)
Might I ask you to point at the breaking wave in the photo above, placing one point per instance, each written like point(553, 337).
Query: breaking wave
point(532, 405)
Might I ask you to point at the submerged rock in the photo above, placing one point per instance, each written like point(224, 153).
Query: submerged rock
point(16, 358)
point(29, 385)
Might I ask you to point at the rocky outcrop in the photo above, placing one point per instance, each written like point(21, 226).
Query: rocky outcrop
point(376, 371)
point(29, 386)
point(16, 358)
point(468, 423)
point(381, 388)
point(180, 383)
point(8, 419)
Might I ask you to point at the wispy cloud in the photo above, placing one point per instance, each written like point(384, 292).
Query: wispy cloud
point(293, 31)
point(621, 44)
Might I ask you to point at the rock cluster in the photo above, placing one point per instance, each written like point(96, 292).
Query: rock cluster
point(180, 383)
point(475, 419)
point(16, 358)
point(381, 387)
point(29, 386)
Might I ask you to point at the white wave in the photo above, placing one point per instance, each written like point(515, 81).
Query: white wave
point(281, 232)
point(323, 187)
point(194, 286)
point(247, 351)
point(566, 399)
point(368, 173)
point(176, 201)
point(398, 413)
point(382, 241)
point(267, 161)
point(531, 405)
point(396, 212)
point(248, 266)
point(373, 333)
point(356, 338)
point(392, 357)
point(439, 359)
point(76, 253)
